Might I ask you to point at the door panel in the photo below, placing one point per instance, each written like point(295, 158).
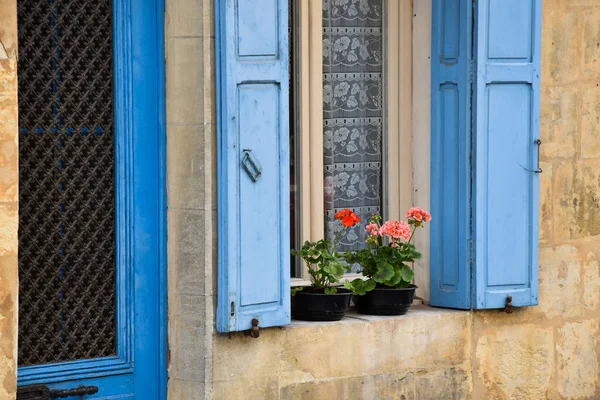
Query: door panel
point(92, 219)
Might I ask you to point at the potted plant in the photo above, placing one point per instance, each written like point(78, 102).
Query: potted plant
point(324, 300)
point(386, 265)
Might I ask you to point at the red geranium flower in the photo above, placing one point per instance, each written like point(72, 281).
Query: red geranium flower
point(348, 217)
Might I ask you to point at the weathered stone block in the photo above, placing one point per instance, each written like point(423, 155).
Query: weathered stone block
point(188, 174)
point(9, 165)
point(576, 200)
point(184, 18)
point(591, 282)
point(381, 387)
point(558, 122)
point(186, 390)
point(515, 362)
point(243, 357)
point(190, 247)
point(210, 91)
point(591, 41)
point(380, 346)
point(590, 116)
point(187, 340)
point(185, 84)
point(577, 360)
point(559, 282)
point(561, 45)
point(259, 387)
point(546, 222)
point(453, 383)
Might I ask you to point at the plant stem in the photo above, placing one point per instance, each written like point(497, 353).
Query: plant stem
point(337, 239)
point(412, 234)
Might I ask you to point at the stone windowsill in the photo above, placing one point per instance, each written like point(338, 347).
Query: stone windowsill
point(417, 310)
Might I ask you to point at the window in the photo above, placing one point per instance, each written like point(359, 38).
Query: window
point(348, 117)
point(484, 102)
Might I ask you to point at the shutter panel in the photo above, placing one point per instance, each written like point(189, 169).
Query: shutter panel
point(253, 133)
point(450, 152)
point(506, 120)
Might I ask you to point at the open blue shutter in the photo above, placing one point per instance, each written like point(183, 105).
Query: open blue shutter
point(450, 152)
point(253, 163)
point(506, 120)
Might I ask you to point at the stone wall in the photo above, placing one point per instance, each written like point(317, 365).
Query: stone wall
point(191, 187)
point(9, 197)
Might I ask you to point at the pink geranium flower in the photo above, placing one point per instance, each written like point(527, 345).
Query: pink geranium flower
point(396, 230)
point(373, 229)
point(418, 214)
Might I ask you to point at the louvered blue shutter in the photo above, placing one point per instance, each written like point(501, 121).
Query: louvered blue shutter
point(253, 163)
point(450, 152)
point(506, 121)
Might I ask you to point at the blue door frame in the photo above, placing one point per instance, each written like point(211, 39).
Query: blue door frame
point(139, 370)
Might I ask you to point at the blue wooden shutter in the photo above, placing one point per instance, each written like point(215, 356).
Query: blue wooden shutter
point(450, 152)
point(253, 133)
point(506, 120)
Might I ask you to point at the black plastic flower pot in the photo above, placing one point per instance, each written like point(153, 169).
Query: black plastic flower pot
point(312, 305)
point(385, 301)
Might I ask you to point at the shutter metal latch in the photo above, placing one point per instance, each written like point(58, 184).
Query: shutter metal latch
point(254, 332)
point(509, 306)
point(251, 165)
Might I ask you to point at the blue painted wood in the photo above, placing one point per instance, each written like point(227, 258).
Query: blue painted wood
point(253, 110)
point(149, 218)
point(139, 369)
point(506, 120)
point(450, 153)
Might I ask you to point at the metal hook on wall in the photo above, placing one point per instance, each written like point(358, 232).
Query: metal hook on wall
point(538, 170)
point(539, 144)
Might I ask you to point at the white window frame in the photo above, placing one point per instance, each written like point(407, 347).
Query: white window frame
point(421, 132)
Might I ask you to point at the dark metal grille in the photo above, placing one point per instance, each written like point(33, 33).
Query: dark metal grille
point(67, 270)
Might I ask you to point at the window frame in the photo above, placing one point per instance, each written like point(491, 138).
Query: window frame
point(398, 114)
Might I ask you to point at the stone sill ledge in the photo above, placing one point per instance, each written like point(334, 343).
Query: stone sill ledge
point(352, 317)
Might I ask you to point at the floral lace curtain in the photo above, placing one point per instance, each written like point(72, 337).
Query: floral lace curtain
point(352, 108)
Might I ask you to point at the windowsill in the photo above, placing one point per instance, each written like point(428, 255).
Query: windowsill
point(352, 317)
point(296, 282)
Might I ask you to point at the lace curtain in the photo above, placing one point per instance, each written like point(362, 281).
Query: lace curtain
point(352, 108)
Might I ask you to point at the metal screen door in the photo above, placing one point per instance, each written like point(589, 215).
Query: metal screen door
point(90, 292)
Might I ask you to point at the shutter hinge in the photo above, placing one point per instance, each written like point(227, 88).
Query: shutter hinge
point(472, 71)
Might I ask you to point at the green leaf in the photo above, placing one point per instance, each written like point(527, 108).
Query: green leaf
point(330, 290)
point(407, 274)
point(397, 276)
point(330, 268)
point(385, 272)
point(361, 287)
point(370, 285)
point(296, 290)
point(348, 285)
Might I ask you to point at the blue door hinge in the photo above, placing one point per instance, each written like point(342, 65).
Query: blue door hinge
point(472, 71)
